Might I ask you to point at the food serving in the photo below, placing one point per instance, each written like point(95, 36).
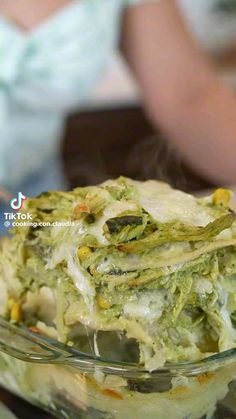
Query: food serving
point(138, 260)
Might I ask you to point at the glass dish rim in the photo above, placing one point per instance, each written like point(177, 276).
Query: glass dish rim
point(62, 354)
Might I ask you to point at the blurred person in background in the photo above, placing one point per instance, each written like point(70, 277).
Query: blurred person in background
point(53, 54)
point(213, 23)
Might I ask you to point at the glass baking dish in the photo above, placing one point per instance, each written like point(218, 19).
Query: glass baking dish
point(71, 384)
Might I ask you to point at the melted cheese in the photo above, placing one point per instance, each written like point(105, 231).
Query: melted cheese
point(81, 281)
point(162, 202)
point(148, 306)
point(165, 204)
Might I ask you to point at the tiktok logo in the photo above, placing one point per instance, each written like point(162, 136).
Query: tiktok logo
point(16, 203)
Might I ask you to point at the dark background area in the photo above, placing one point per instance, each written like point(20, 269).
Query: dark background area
point(108, 143)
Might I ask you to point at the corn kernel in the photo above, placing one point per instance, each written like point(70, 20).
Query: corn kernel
point(16, 313)
point(10, 303)
point(84, 252)
point(222, 197)
point(102, 302)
